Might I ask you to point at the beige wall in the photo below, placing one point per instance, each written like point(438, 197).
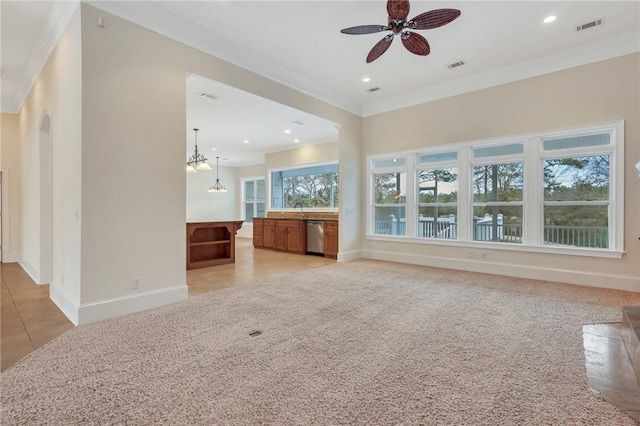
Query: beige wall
point(11, 165)
point(57, 92)
point(254, 170)
point(590, 94)
point(133, 180)
point(310, 154)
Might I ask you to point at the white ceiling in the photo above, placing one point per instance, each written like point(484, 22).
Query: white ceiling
point(236, 116)
point(299, 44)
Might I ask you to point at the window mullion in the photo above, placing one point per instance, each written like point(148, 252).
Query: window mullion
point(464, 196)
point(532, 193)
point(411, 199)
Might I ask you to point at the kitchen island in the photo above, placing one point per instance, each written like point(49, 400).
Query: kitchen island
point(211, 243)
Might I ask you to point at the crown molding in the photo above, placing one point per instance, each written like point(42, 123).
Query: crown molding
point(161, 21)
point(583, 55)
point(61, 13)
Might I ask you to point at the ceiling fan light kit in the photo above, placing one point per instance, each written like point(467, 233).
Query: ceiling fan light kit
point(398, 10)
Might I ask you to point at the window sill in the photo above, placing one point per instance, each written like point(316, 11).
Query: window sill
point(565, 251)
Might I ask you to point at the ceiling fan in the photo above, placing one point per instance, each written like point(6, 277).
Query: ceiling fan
point(398, 11)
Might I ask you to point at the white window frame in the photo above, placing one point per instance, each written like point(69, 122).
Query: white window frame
point(533, 190)
point(300, 166)
point(490, 161)
point(243, 201)
point(410, 192)
point(616, 239)
point(437, 165)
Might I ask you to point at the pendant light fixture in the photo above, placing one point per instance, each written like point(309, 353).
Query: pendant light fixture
point(197, 161)
point(217, 187)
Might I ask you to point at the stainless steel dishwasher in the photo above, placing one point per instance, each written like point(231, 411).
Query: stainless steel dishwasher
point(315, 237)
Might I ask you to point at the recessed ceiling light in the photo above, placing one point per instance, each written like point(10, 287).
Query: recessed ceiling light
point(287, 131)
point(366, 79)
point(296, 140)
point(246, 141)
point(549, 19)
point(213, 149)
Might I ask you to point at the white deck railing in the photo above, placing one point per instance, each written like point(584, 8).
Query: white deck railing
point(483, 230)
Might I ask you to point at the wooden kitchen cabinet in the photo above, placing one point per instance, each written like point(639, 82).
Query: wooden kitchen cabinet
point(264, 233)
point(331, 238)
point(270, 233)
point(258, 232)
point(290, 235)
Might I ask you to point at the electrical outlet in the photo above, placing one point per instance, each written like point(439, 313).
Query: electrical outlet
point(472, 253)
point(483, 254)
point(136, 283)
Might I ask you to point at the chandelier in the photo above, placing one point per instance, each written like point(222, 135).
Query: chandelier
point(197, 161)
point(217, 187)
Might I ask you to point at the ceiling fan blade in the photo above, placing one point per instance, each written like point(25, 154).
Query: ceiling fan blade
point(365, 29)
point(380, 48)
point(415, 43)
point(398, 9)
point(433, 19)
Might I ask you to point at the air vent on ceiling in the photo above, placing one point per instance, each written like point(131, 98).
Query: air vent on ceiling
point(208, 96)
point(456, 64)
point(298, 122)
point(373, 89)
point(590, 24)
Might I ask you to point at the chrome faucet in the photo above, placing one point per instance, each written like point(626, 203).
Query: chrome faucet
point(299, 204)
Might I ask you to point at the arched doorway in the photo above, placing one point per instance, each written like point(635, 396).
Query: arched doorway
point(46, 176)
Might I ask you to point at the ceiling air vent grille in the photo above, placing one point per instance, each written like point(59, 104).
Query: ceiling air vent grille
point(590, 24)
point(373, 89)
point(208, 96)
point(456, 64)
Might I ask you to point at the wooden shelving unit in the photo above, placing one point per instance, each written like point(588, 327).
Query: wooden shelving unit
point(211, 243)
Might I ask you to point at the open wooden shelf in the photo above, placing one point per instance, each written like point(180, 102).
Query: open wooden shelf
point(211, 243)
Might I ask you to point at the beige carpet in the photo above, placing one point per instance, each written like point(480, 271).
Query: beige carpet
point(352, 343)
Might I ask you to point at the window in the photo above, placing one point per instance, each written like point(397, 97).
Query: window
point(559, 192)
point(253, 199)
point(497, 188)
point(314, 186)
point(576, 191)
point(390, 183)
point(437, 189)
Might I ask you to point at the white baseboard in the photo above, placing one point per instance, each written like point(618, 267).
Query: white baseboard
point(589, 279)
point(349, 256)
point(69, 309)
point(30, 270)
point(96, 311)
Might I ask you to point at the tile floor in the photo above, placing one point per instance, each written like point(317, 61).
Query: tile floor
point(609, 371)
point(29, 319)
